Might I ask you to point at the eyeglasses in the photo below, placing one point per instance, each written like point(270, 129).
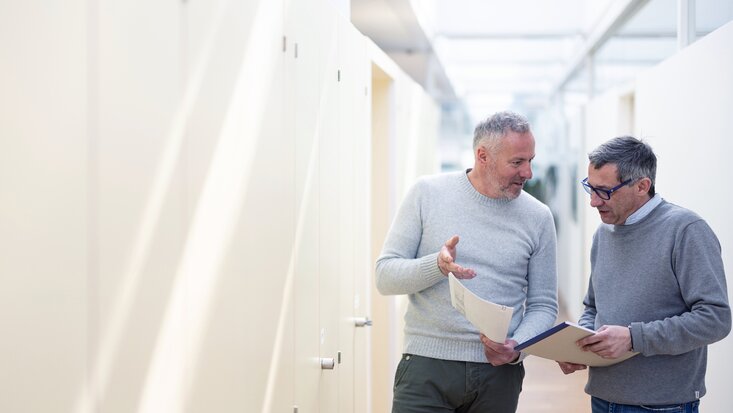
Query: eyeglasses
point(604, 194)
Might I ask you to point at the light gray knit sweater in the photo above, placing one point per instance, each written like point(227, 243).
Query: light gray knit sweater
point(663, 276)
point(509, 243)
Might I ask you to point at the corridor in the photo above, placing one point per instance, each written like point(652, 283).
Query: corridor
point(194, 194)
point(547, 389)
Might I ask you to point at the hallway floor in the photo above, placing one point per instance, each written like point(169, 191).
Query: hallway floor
point(547, 389)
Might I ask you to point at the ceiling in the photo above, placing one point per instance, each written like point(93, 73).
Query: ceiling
point(495, 54)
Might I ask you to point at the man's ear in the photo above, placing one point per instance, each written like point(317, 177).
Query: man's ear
point(643, 185)
point(482, 154)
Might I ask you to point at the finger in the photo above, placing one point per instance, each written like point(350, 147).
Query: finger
point(565, 364)
point(572, 368)
point(452, 242)
point(602, 350)
point(491, 357)
point(566, 369)
point(498, 348)
point(588, 341)
point(569, 368)
point(463, 273)
point(488, 342)
point(596, 348)
point(490, 353)
point(457, 268)
point(445, 255)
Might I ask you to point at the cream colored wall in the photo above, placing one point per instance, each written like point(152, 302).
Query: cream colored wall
point(682, 108)
point(44, 205)
point(405, 123)
point(384, 332)
point(186, 208)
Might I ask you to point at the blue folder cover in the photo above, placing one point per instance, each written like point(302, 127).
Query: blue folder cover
point(548, 333)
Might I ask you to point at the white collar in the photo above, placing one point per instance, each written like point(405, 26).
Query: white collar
point(645, 209)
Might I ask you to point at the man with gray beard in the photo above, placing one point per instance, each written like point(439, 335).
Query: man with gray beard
point(507, 256)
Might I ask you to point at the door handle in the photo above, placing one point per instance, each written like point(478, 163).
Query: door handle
point(362, 322)
point(327, 363)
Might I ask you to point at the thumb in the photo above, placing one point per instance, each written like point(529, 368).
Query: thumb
point(452, 242)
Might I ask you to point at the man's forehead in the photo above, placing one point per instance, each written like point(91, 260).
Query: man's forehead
point(605, 175)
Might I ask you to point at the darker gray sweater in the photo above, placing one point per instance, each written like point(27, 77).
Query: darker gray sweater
point(663, 276)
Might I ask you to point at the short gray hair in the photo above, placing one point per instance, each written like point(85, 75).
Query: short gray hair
point(491, 130)
point(634, 159)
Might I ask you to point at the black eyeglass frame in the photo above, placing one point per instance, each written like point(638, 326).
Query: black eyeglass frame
point(604, 194)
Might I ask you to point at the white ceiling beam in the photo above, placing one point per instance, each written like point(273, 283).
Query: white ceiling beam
point(685, 23)
point(510, 36)
point(663, 34)
point(619, 13)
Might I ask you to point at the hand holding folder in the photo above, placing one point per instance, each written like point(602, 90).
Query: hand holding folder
point(558, 343)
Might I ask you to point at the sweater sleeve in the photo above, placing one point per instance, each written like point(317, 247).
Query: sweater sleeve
point(588, 318)
point(698, 267)
point(541, 305)
point(398, 269)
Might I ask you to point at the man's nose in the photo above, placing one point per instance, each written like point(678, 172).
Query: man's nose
point(526, 172)
point(595, 200)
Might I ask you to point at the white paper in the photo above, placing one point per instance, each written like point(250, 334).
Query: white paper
point(491, 319)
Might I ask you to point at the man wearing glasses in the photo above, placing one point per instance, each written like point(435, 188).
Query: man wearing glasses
point(657, 287)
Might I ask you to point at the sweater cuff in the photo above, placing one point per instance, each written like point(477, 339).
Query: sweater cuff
point(429, 268)
point(637, 337)
point(522, 356)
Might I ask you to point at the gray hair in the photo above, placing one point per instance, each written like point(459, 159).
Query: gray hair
point(490, 131)
point(634, 159)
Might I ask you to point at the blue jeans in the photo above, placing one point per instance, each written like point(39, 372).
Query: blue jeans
point(602, 406)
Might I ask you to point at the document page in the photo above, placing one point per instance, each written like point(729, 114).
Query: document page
point(491, 319)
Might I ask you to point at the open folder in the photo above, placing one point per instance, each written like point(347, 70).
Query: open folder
point(558, 343)
point(491, 319)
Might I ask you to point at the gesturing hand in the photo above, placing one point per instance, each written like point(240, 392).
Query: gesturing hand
point(447, 260)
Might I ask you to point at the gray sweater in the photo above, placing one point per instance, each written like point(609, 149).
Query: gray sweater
point(663, 276)
point(509, 243)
